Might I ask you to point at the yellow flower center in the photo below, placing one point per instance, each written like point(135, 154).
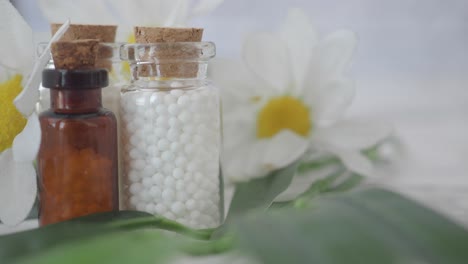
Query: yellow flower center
point(284, 112)
point(11, 120)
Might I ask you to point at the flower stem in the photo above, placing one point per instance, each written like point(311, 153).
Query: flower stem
point(163, 223)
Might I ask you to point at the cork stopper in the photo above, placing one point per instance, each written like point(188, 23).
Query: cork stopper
point(76, 54)
point(102, 33)
point(165, 34)
point(147, 35)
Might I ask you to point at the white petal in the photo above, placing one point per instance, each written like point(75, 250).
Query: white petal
point(17, 47)
point(156, 13)
point(233, 168)
point(204, 7)
point(26, 101)
point(232, 140)
point(26, 144)
point(233, 174)
point(235, 88)
point(178, 15)
point(243, 163)
point(239, 141)
point(18, 188)
point(283, 149)
point(355, 162)
point(337, 50)
point(354, 135)
point(302, 182)
point(238, 129)
point(79, 12)
point(332, 56)
point(267, 56)
point(254, 165)
point(300, 35)
point(233, 135)
point(150, 13)
point(325, 88)
point(256, 158)
point(246, 161)
point(240, 116)
point(331, 101)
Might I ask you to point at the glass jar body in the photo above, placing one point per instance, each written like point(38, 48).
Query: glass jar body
point(77, 159)
point(171, 150)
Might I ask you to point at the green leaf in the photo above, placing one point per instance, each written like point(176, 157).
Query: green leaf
point(321, 185)
point(14, 246)
point(370, 226)
point(349, 183)
point(317, 164)
point(210, 247)
point(160, 222)
point(431, 234)
point(260, 193)
point(141, 246)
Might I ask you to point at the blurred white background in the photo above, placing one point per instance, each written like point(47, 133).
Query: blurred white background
point(411, 70)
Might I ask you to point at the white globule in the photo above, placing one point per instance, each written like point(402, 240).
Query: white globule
point(171, 159)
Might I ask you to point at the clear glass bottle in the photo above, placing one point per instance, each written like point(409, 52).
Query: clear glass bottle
point(77, 159)
point(171, 133)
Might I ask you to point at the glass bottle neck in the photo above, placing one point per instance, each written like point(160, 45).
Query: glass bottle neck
point(183, 71)
point(80, 101)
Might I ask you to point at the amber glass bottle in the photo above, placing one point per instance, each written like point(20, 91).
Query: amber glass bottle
point(77, 160)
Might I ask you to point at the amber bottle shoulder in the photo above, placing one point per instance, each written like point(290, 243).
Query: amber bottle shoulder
point(102, 112)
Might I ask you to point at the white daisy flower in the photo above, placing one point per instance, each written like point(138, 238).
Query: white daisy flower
point(289, 97)
point(20, 133)
point(19, 136)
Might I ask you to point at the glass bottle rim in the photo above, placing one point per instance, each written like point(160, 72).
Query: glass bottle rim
point(168, 52)
point(151, 52)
